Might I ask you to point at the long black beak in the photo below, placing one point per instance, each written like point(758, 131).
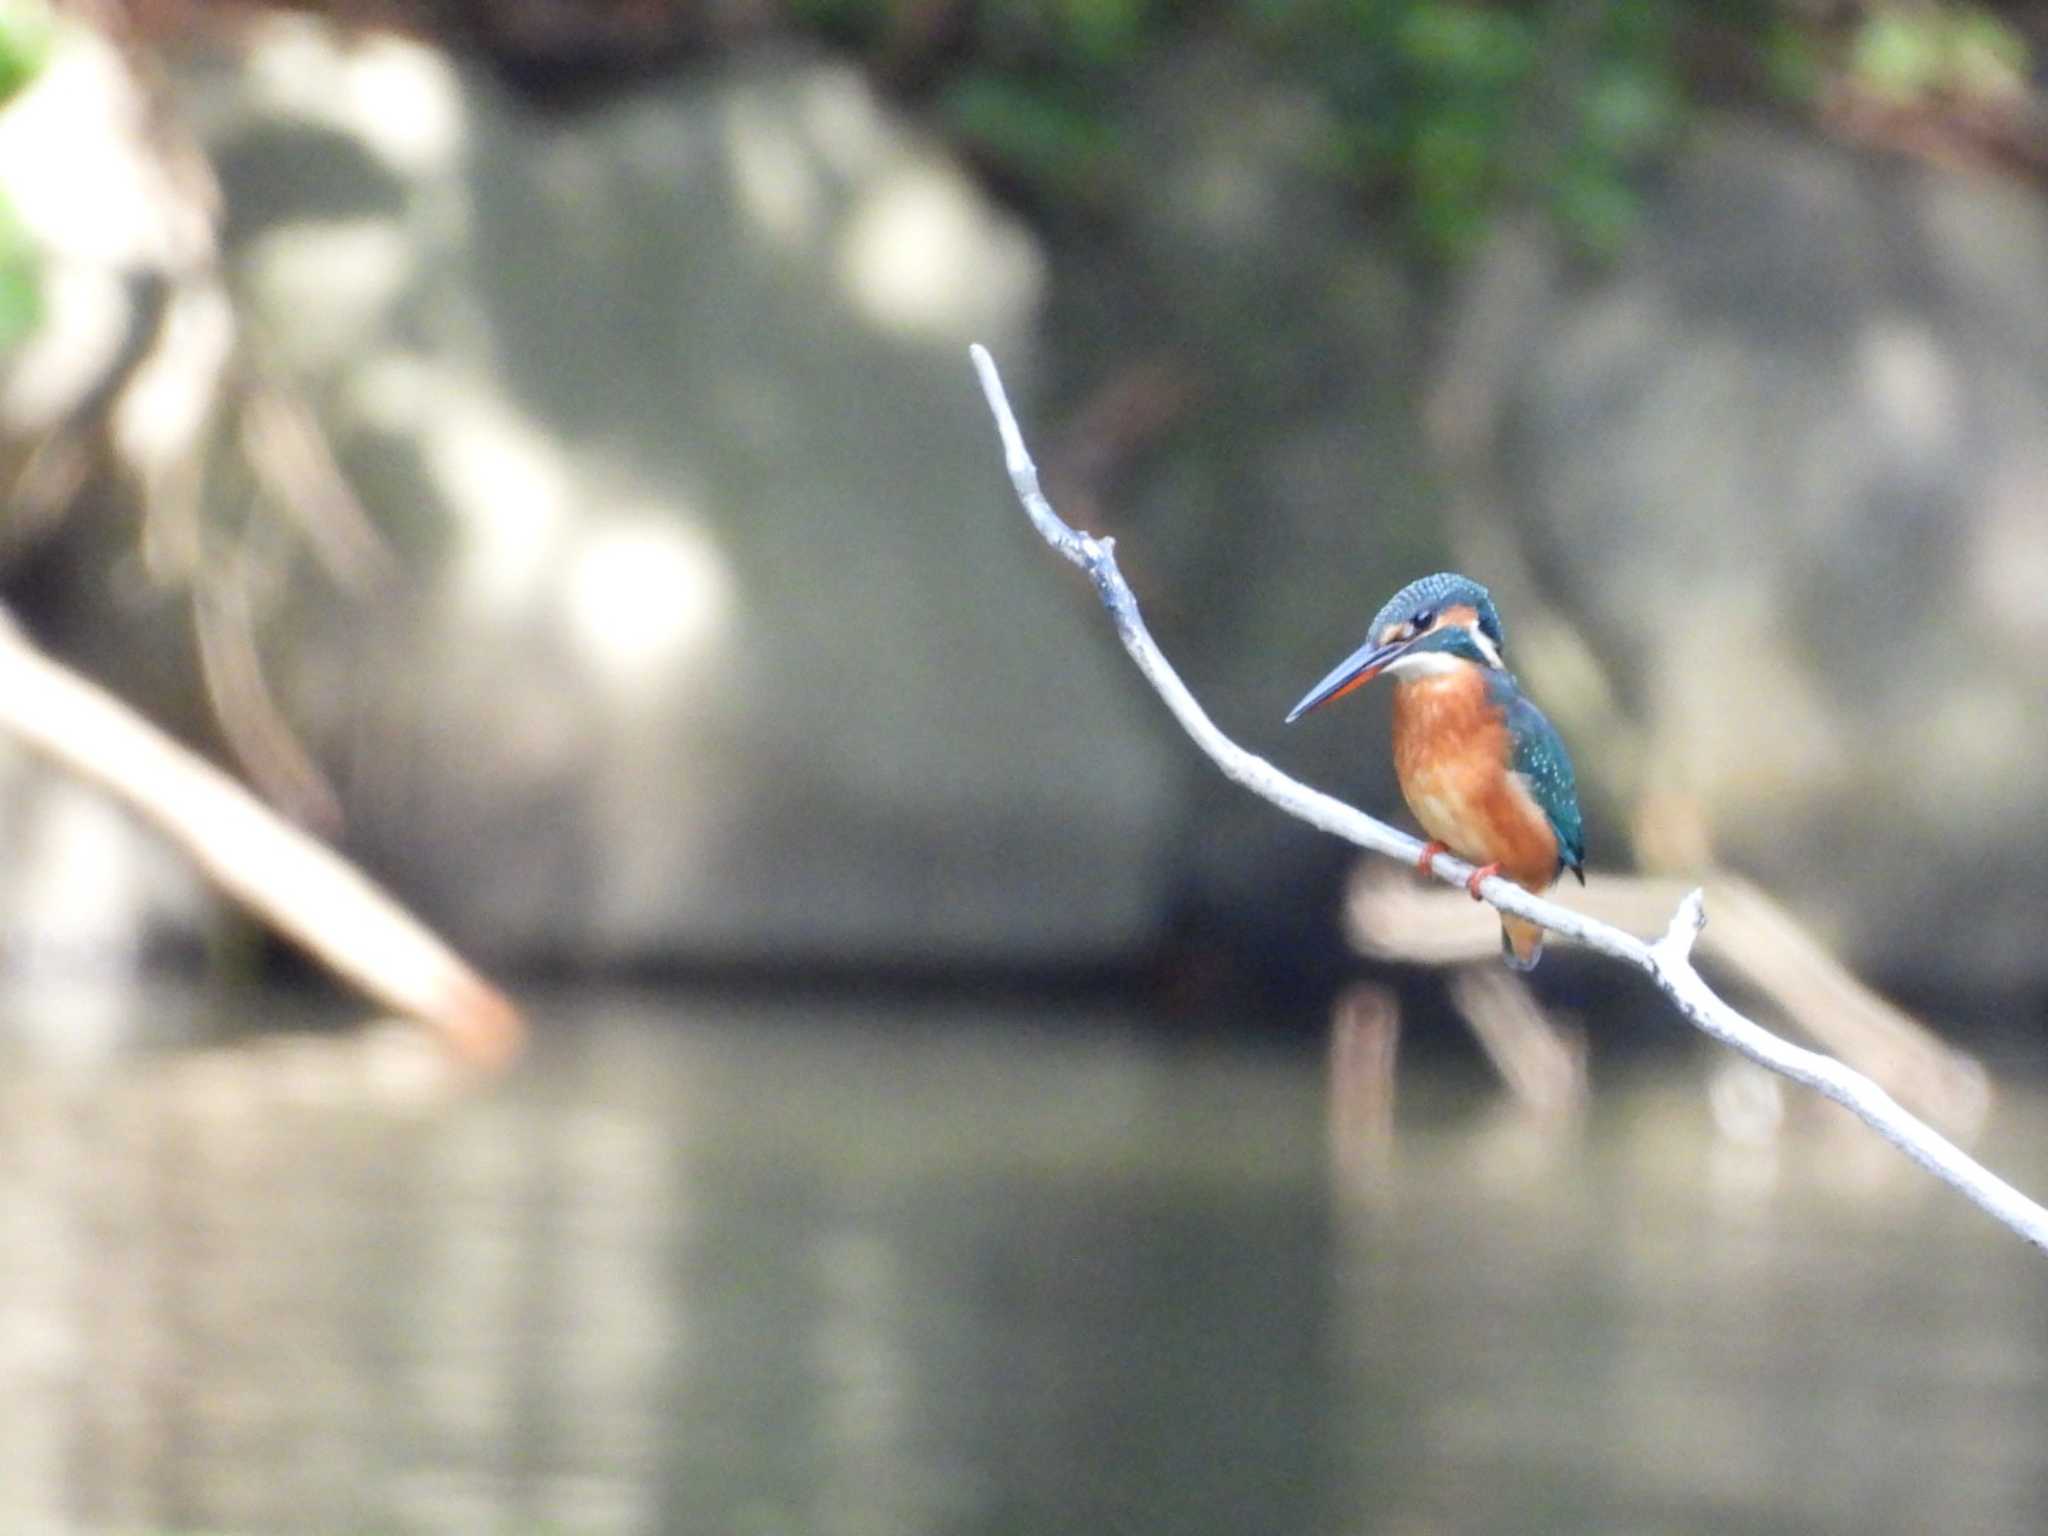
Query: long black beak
point(1354, 671)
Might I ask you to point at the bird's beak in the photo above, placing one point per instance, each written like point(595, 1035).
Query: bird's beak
point(1355, 671)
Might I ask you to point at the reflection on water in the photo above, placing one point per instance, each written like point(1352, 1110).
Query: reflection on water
point(736, 1270)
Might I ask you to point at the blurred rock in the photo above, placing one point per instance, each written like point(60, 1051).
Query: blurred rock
point(86, 893)
point(1786, 466)
point(1292, 493)
point(719, 635)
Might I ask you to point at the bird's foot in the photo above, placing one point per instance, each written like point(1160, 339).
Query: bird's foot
point(1430, 850)
point(1484, 871)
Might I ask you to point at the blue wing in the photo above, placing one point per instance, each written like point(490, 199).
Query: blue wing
point(1541, 760)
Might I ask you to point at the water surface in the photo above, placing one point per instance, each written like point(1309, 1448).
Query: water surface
point(748, 1268)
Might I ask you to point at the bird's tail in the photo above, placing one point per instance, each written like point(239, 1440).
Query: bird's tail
point(1521, 942)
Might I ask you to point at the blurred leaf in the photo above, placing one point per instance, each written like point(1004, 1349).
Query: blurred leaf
point(1640, 27)
point(1372, 144)
point(1453, 157)
point(1474, 45)
point(1276, 15)
point(21, 303)
point(21, 294)
point(1986, 57)
point(1102, 31)
point(1898, 55)
point(1791, 62)
point(1597, 207)
point(1453, 226)
point(26, 32)
point(1030, 130)
point(1629, 110)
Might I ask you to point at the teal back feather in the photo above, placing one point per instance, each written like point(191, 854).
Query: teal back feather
point(1540, 758)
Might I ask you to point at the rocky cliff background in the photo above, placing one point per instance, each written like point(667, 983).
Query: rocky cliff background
point(537, 447)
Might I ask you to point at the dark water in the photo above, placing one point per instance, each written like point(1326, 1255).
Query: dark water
point(742, 1270)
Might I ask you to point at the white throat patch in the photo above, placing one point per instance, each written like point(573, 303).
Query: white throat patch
point(1423, 664)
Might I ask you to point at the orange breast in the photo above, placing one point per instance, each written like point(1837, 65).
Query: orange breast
point(1451, 754)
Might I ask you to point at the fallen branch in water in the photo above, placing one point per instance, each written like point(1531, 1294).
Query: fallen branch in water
point(1392, 917)
point(303, 888)
point(1667, 960)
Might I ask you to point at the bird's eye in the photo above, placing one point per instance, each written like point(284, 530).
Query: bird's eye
point(1422, 620)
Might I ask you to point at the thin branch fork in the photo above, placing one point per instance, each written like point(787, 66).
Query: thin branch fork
point(1667, 960)
point(1390, 917)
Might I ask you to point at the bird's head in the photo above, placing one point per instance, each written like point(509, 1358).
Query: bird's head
point(1434, 625)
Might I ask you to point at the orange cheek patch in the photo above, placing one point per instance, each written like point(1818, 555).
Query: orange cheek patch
point(1462, 616)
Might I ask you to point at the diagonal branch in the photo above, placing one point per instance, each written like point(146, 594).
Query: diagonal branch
point(289, 878)
point(1667, 961)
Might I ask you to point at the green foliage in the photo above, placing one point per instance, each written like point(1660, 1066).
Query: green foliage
point(1909, 54)
point(1100, 32)
point(26, 32)
point(1442, 112)
point(21, 292)
point(1465, 47)
point(1791, 61)
point(1057, 140)
point(1454, 108)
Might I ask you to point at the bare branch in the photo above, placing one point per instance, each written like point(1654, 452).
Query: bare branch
point(1668, 961)
point(300, 886)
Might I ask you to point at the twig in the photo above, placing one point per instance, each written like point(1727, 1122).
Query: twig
point(1668, 961)
point(1365, 1037)
point(1542, 1063)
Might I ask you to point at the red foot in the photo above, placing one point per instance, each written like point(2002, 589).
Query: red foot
point(1479, 874)
point(1430, 850)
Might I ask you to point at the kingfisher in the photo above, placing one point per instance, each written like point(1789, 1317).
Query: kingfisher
point(1482, 768)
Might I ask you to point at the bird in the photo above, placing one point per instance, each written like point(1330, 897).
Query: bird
point(1481, 767)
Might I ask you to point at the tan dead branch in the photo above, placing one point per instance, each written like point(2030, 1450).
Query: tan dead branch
point(1365, 1037)
point(1542, 1063)
point(298, 885)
